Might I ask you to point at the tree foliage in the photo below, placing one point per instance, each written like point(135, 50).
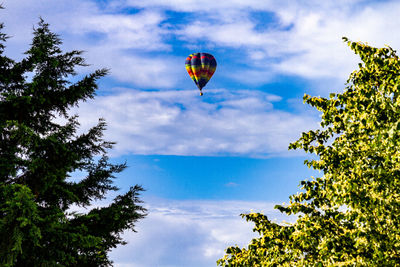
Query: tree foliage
point(38, 156)
point(350, 215)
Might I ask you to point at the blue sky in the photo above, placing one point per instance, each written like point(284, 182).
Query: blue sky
point(204, 160)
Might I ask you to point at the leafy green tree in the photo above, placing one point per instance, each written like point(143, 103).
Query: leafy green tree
point(350, 215)
point(38, 156)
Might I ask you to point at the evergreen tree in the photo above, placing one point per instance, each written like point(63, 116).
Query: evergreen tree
point(350, 215)
point(38, 155)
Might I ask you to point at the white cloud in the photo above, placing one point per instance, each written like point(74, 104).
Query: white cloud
point(21, 16)
point(137, 31)
point(222, 122)
point(115, 41)
point(156, 72)
point(202, 6)
point(300, 38)
point(240, 33)
point(189, 233)
point(311, 46)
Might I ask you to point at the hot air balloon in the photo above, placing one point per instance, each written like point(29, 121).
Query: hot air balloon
point(200, 66)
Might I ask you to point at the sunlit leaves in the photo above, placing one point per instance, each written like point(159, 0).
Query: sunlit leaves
point(348, 216)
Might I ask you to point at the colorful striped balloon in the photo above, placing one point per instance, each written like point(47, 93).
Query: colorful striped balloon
point(200, 66)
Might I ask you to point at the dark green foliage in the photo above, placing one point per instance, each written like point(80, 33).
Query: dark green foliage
point(38, 155)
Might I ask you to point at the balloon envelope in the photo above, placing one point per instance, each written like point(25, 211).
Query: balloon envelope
point(200, 66)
